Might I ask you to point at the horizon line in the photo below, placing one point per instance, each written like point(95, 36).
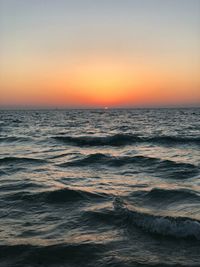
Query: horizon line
point(98, 108)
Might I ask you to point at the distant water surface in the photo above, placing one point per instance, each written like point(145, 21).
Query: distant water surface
point(100, 188)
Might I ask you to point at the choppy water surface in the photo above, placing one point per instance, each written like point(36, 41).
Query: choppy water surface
point(100, 188)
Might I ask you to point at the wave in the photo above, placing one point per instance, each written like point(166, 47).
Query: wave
point(114, 140)
point(15, 160)
point(161, 198)
point(15, 186)
point(124, 139)
point(17, 121)
point(74, 254)
point(2, 172)
point(174, 139)
point(22, 255)
point(179, 227)
point(64, 155)
point(160, 194)
point(96, 158)
point(13, 139)
point(56, 196)
point(172, 168)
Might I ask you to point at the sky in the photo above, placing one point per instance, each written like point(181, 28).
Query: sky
point(97, 53)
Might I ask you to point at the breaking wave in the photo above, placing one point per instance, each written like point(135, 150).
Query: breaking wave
point(179, 227)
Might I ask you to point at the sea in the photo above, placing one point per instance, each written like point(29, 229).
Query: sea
point(100, 187)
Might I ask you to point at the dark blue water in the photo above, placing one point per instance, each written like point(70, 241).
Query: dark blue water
point(100, 188)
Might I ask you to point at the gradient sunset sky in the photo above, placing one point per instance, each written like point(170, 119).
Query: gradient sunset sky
point(89, 53)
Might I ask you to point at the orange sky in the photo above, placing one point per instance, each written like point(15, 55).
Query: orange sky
point(86, 60)
point(99, 82)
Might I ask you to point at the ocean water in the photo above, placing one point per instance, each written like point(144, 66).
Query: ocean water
point(100, 188)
